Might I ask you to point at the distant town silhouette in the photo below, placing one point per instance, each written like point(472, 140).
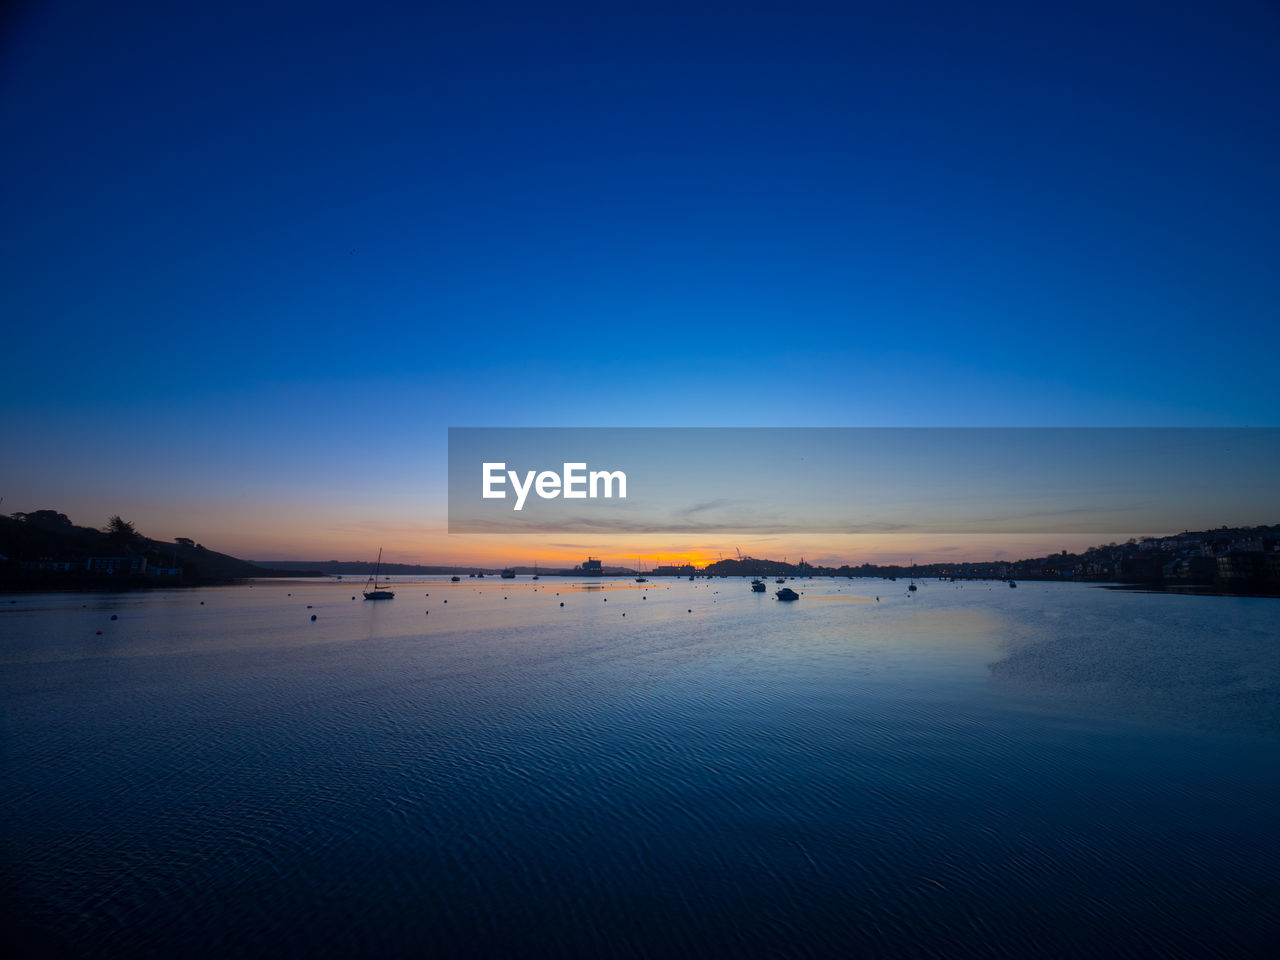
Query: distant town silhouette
point(45, 550)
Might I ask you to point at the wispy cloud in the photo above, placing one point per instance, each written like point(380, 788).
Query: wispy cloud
point(708, 505)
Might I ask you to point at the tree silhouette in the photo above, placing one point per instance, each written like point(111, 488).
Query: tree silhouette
point(45, 519)
point(121, 530)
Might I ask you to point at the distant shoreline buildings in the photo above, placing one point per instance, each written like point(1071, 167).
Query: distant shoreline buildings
point(44, 550)
point(1227, 556)
point(591, 567)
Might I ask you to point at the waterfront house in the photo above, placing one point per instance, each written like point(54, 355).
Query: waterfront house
point(131, 565)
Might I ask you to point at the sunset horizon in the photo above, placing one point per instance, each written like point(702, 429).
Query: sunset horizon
point(497, 551)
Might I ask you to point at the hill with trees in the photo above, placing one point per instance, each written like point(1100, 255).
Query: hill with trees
point(45, 550)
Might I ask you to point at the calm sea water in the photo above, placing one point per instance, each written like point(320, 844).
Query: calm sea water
point(1056, 770)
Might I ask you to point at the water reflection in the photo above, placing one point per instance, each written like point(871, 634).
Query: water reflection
point(475, 768)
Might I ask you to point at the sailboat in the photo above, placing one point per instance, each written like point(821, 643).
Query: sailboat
point(535, 569)
point(912, 587)
point(640, 577)
point(375, 593)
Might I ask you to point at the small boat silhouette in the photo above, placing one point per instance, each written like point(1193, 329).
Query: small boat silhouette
point(375, 593)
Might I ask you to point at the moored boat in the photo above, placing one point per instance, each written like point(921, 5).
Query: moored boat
point(375, 593)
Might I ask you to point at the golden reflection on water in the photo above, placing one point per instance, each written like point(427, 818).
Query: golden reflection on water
point(558, 587)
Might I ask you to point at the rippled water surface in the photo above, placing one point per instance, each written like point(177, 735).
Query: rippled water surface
point(667, 769)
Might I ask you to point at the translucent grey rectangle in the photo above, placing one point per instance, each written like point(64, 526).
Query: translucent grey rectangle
point(869, 480)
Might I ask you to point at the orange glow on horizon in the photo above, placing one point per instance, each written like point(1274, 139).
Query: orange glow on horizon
point(494, 552)
point(304, 533)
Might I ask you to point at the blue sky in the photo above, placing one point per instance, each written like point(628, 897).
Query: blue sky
point(278, 250)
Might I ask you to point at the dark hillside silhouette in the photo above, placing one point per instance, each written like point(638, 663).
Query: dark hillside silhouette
point(45, 550)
